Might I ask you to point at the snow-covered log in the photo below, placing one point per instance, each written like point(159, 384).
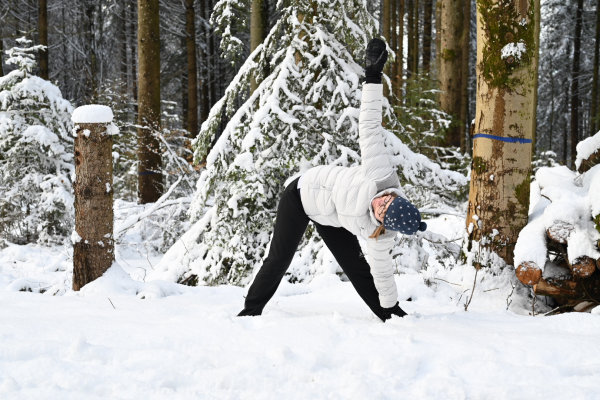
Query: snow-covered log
point(588, 153)
point(559, 231)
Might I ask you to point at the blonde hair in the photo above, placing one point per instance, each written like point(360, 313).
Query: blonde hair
point(380, 230)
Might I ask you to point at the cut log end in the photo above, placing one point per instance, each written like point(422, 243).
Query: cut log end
point(560, 231)
point(529, 273)
point(583, 267)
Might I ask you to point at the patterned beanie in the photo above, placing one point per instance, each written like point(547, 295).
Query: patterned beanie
point(402, 216)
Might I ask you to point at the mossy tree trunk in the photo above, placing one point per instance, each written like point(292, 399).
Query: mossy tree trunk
point(453, 32)
point(507, 48)
point(150, 185)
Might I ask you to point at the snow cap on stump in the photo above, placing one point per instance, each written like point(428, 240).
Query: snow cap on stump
point(92, 114)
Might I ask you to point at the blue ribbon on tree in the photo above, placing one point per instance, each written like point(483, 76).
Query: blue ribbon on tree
point(502, 138)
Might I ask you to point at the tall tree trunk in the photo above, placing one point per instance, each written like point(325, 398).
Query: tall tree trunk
point(393, 39)
point(427, 10)
point(410, 31)
point(43, 37)
point(1, 53)
point(451, 68)
point(438, 36)
point(192, 69)
point(123, 40)
point(150, 186)
point(594, 107)
point(90, 38)
point(204, 101)
point(132, 28)
point(212, 62)
point(464, 75)
point(504, 124)
point(575, 83)
point(397, 86)
point(415, 37)
point(258, 32)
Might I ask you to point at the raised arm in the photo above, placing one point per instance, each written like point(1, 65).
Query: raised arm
point(375, 157)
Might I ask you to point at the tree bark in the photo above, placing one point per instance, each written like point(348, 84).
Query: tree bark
point(131, 29)
point(150, 185)
point(504, 124)
point(411, 34)
point(204, 101)
point(89, 30)
point(258, 32)
point(1, 53)
point(427, 10)
point(575, 83)
point(212, 63)
point(93, 252)
point(464, 77)
point(451, 68)
point(192, 69)
point(595, 84)
point(43, 37)
point(399, 64)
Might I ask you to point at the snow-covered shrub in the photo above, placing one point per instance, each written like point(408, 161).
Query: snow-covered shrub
point(36, 201)
point(304, 113)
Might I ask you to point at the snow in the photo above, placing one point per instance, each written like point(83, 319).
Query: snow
point(92, 114)
point(515, 50)
point(586, 148)
point(128, 336)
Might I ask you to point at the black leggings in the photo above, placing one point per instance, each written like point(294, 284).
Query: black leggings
point(290, 224)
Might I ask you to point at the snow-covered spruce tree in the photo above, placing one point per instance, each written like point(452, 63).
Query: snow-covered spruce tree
point(36, 203)
point(304, 113)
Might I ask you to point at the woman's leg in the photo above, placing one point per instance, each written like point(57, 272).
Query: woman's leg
point(346, 250)
point(290, 224)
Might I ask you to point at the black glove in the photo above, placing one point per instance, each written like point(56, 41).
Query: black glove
point(375, 59)
point(396, 310)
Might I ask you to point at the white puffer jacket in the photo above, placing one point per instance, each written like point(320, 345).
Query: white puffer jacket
point(341, 196)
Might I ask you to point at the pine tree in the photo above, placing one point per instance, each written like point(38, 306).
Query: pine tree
point(36, 201)
point(304, 113)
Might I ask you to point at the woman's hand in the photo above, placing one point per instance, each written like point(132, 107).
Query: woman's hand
point(376, 56)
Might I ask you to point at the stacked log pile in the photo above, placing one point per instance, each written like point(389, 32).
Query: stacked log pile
point(558, 252)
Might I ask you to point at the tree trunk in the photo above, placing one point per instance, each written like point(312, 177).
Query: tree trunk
point(410, 31)
point(465, 45)
point(204, 101)
point(427, 10)
point(415, 37)
point(124, 41)
point(438, 36)
point(131, 28)
point(212, 63)
point(192, 69)
point(594, 106)
point(89, 33)
point(399, 64)
point(393, 41)
point(150, 186)
point(258, 32)
point(451, 54)
point(575, 84)
point(43, 37)
point(504, 123)
point(93, 251)
point(1, 53)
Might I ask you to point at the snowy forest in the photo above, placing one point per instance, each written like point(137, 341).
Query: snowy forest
point(144, 147)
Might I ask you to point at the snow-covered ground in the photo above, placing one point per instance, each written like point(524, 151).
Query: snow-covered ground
point(122, 338)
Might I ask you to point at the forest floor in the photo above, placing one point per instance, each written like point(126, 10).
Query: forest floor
point(123, 338)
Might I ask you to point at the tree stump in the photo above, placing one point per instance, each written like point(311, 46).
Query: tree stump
point(93, 246)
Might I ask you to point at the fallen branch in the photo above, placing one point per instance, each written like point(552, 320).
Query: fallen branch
point(134, 219)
